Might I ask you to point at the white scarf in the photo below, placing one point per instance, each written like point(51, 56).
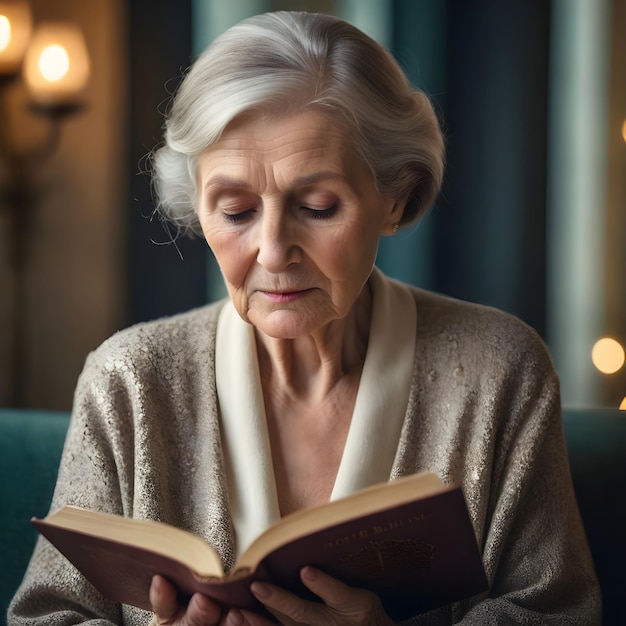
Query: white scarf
point(377, 419)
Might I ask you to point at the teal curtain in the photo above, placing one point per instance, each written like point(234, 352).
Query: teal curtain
point(490, 232)
point(418, 41)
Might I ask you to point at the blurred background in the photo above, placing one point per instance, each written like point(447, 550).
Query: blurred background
point(532, 218)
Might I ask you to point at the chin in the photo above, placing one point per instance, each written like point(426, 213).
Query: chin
point(284, 324)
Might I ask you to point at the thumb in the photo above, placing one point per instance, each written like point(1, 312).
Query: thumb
point(163, 601)
point(200, 612)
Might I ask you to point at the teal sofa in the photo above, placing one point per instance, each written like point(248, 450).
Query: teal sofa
point(31, 444)
point(30, 450)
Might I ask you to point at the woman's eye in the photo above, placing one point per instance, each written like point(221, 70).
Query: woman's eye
point(239, 217)
point(320, 214)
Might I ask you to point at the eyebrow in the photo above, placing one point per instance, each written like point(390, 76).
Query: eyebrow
point(302, 181)
point(226, 181)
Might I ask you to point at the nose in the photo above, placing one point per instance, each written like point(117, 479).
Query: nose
point(277, 241)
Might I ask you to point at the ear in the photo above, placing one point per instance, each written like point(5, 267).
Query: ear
point(394, 210)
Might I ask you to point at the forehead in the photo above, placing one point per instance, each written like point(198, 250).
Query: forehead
point(301, 141)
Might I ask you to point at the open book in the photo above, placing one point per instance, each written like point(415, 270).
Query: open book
point(410, 541)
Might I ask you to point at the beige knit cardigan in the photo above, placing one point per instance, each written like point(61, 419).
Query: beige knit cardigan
point(483, 412)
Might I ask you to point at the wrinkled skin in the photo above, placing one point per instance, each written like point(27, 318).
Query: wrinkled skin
point(341, 606)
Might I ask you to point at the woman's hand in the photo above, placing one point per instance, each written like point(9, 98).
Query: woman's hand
point(167, 612)
point(342, 605)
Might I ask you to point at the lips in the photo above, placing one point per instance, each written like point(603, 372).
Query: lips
point(285, 296)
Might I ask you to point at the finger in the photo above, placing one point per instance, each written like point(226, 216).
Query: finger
point(339, 596)
point(163, 600)
point(200, 612)
point(241, 617)
point(286, 607)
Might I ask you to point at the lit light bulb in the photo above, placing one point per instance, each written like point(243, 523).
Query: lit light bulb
point(56, 66)
point(15, 29)
point(624, 130)
point(608, 355)
point(54, 63)
point(622, 406)
point(5, 32)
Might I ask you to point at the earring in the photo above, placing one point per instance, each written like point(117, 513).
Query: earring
point(395, 227)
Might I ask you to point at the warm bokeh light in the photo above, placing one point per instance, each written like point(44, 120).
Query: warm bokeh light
point(15, 29)
point(624, 130)
point(54, 62)
point(608, 355)
point(56, 67)
point(5, 32)
point(622, 406)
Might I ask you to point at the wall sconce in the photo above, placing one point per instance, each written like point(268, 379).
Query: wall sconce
point(51, 60)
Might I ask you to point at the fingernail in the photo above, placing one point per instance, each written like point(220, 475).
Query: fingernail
point(308, 572)
point(235, 617)
point(260, 590)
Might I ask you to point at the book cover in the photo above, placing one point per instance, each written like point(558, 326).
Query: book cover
point(413, 545)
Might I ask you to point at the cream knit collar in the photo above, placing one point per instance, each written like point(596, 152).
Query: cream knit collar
point(376, 421)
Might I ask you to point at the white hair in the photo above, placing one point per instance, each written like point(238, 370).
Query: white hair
point(284, 62)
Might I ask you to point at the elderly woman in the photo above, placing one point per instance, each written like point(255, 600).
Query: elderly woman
point(293, 144)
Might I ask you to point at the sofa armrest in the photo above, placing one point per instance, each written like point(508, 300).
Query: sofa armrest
point(31, 443)
point(596, 443)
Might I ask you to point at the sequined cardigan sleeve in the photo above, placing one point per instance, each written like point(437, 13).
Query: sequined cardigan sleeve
point(483, 412)
point(143, 442)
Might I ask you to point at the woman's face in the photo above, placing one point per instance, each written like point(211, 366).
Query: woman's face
point(293, 218)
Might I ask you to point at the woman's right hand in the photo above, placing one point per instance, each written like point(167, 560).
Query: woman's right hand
point(167, 612)
point(201, 611)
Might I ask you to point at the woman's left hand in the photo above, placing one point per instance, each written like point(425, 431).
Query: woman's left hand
point(342, 605)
